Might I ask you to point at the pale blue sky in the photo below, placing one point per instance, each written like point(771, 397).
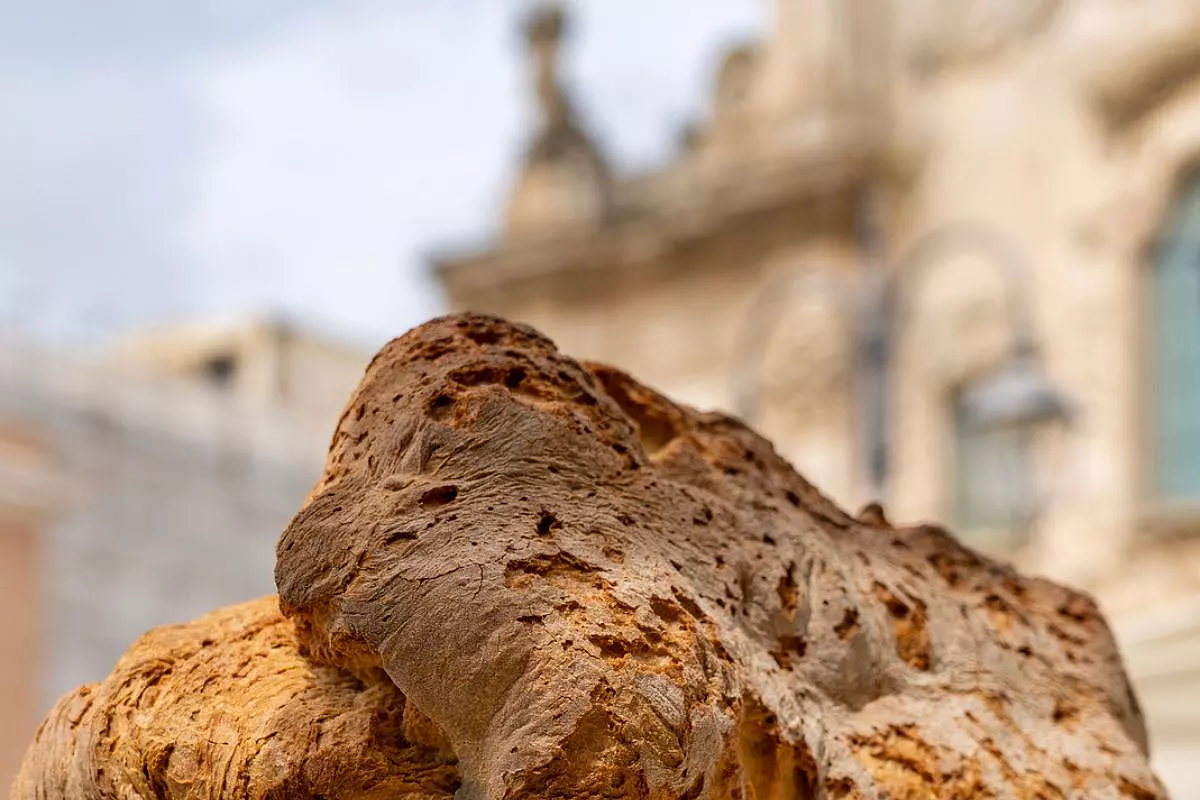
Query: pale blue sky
point(217, 157)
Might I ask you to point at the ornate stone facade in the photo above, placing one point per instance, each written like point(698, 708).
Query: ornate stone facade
point(1066, 128)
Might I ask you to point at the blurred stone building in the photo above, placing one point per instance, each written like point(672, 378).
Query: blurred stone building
point(268, 365)
point(835, 148)
point(147, 487)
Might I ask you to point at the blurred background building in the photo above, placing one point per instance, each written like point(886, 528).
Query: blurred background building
point(944, 252)
point(147, 487)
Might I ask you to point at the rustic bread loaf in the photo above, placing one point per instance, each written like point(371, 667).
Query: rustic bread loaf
point(523, 576)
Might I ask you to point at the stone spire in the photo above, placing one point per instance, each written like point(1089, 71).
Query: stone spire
point(564, 179)
point(544, 31)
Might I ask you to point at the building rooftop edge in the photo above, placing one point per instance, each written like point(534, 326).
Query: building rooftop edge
point(690, 207)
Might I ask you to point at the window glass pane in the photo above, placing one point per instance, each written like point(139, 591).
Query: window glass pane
point(992, 479)
point(1173, 317)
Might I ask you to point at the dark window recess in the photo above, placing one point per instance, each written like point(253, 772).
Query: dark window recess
point(220, 369)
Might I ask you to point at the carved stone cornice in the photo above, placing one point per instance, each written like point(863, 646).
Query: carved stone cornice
point(964, 31)
point(669, 210)
point(1141, 73)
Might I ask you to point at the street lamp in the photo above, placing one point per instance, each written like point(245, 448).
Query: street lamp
point(1017, 397)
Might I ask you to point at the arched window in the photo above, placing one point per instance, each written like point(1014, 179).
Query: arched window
point(1173, 386)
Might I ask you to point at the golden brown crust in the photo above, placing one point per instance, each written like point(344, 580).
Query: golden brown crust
point(646, 601)
point(227, 707)
point(591, 591)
